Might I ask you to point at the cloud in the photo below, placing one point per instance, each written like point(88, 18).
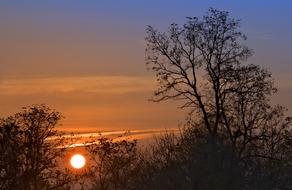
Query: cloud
point(91, 103)
point(93, 84)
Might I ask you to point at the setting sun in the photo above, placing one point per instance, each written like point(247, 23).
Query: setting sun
point(77, 161)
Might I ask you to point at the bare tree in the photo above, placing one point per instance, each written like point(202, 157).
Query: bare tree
point(203, 64)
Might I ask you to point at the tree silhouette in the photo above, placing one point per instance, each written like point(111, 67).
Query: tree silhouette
point(234, 138)
point(29, 159)
point(113, 163)
point(203, 64)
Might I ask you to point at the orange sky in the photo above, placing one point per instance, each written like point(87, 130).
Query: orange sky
point(87, 59)
point(93, 102)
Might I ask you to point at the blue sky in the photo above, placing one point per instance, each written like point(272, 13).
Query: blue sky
point(122, 23)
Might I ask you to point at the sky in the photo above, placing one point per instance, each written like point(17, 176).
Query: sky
point(86, 59)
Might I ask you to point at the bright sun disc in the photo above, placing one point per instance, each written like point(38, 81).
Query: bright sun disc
point(77, 161)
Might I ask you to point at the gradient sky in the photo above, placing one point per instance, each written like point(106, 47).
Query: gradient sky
point(86, 58)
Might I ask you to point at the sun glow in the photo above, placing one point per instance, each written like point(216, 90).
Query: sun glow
point(77, 161)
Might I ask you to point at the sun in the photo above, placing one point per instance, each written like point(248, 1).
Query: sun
point(77, 161)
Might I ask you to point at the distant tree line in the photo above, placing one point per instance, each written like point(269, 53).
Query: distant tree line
point(234, 138)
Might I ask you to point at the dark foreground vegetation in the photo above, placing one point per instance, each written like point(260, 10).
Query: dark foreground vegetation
point(234, 138)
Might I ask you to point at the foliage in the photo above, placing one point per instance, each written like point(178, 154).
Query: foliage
point(29, 160)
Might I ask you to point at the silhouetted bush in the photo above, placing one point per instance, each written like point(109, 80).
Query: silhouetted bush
point(113, 165)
